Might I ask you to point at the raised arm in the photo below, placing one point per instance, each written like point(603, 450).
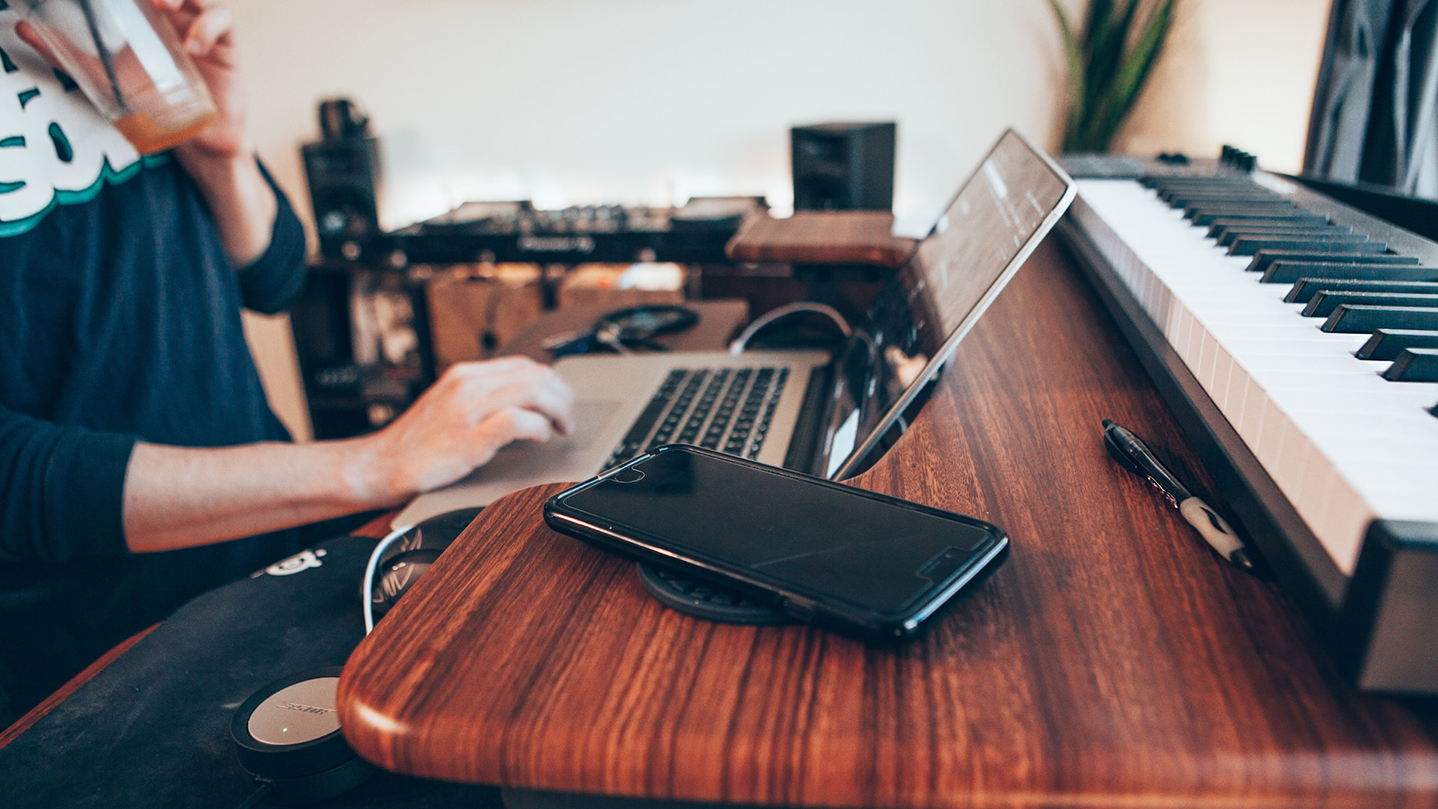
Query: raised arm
point(221, 158)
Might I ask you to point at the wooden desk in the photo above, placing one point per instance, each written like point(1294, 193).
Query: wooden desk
point(1113, 661)
point(719, 321)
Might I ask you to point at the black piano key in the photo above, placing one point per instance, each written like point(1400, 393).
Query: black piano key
point(1233, 234)
point(1240, 187)
point(1296, 214)
point(1285, 272)
point(1239, 190)
point(1387, 344)
point(1276, 207)
point(1266, 257)
point(1367, 319)
point(1220, 227)
point(1161, 182)
point(1305, 288)
point(1345, 242)
point(1414, 365)
point(1325, 302)
point(1219, 192)
point(1183, 199)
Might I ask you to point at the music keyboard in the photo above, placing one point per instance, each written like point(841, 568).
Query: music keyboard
point(1341, 444)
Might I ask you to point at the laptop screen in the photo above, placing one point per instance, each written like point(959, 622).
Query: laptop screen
point(998, 217)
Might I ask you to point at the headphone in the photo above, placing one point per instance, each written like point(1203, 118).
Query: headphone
point(288, 737)
point(287, 734)
point(403, 556)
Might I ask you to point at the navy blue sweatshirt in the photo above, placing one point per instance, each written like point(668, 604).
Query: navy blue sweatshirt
point(119, 321)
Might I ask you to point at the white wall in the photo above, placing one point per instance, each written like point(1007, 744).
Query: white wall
point(651, 101)
point(1237, 71)
point(572, 101)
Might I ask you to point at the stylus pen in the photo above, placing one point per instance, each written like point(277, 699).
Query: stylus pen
point(1135, 456)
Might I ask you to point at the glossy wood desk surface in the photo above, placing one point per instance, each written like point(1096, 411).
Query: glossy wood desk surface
point(1112, 661)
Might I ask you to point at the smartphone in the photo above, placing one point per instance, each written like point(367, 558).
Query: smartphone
point(834, 555)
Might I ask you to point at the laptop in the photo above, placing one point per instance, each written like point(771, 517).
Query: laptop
point(809, 411)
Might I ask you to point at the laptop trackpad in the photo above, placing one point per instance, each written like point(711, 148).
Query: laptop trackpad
point(525, 463)
point(591, 418)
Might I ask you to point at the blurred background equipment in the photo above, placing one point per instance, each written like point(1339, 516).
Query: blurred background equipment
point(621, 285)
point(516, 231)
point(343, 171)
point(843, 166)
point(475, 308)
point(1375, 109)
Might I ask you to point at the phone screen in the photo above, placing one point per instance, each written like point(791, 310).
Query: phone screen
point(834, 542)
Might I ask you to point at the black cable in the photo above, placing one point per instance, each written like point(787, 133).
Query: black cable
point(258, 795)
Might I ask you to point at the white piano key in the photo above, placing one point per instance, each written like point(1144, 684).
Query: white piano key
point(1286, 464)
point(1206, 355)
point(1270, 434)
point(1295, 345)
point(1254, 403)
point(1230, 387)
point(1317, 484)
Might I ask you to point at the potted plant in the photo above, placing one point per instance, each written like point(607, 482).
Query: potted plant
point(1109, 60)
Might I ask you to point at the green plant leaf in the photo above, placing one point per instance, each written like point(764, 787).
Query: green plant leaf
point(1108, 63)
point(1138, 65)
point(1095, 19)
point(1110, 39)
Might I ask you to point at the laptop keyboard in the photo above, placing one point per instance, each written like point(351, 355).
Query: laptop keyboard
point(723, 409)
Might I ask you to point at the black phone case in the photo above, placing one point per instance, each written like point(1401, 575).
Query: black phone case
point(809, 607)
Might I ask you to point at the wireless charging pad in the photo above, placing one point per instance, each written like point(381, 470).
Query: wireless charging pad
point(288, 736)
point(704, 600)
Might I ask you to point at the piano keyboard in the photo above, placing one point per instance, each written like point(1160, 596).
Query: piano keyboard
point(1296, 340)
point(1270, 295)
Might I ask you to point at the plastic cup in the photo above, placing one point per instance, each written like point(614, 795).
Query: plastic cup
point(129, 62)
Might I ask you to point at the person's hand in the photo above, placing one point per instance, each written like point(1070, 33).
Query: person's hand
point(461, 422)
point(206, 32)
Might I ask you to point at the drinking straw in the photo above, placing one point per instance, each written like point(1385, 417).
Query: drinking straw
point(94, 27)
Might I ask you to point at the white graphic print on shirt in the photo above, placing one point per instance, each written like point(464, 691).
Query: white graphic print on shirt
point(54, 147)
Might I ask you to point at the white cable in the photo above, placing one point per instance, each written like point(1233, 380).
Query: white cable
point(367, 584)
point(742, 341)
point(610, 338)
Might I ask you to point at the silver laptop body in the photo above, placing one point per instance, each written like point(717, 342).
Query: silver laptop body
point(612, 392)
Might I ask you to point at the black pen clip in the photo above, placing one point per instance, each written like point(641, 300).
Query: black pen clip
point(1174, 492)
point(1123, 458)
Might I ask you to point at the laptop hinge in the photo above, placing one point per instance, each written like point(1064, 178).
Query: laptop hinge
point(809, 432)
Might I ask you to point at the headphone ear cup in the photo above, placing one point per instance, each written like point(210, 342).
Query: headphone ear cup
point(287, 735)
point(398, 575)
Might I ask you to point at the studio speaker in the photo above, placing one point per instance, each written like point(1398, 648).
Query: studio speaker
point(843, 166)
point(343, 171)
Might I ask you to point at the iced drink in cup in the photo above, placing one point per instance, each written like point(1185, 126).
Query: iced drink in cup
point(130, 63)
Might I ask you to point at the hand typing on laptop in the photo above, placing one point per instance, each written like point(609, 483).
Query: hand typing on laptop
point(180, 497)
point(472, 411)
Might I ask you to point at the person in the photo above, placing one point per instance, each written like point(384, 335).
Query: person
point(139, 459)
